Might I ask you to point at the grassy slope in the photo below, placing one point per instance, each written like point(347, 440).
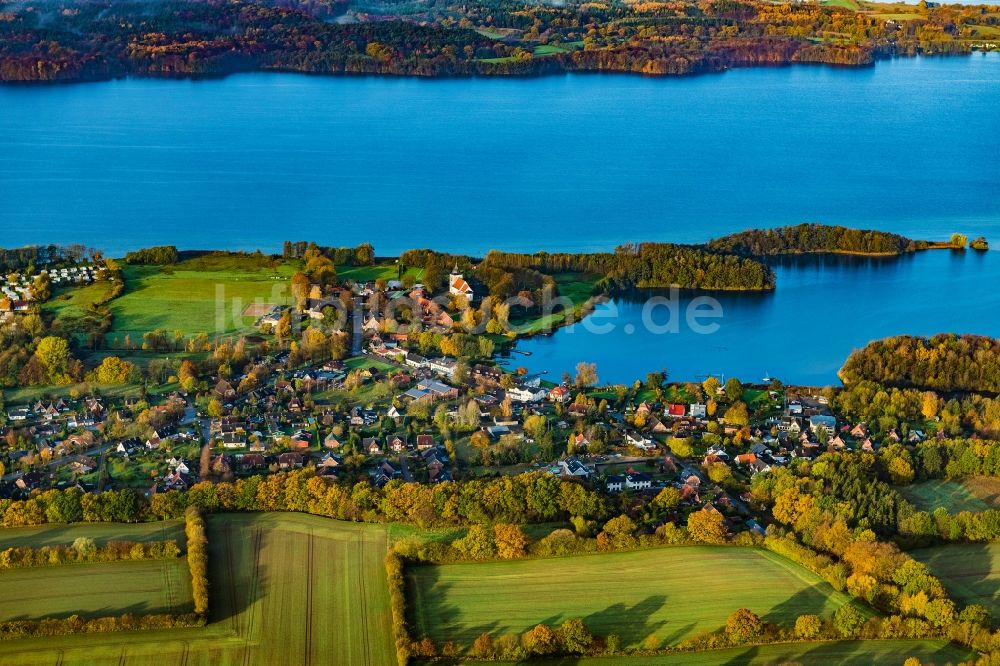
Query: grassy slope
point(72, 302)
point(195, 296)
point(976, 493)
point(674, 593)
point(970, 571)
point(286, 588)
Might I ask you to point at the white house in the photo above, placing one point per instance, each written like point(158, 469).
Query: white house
point(526, 394)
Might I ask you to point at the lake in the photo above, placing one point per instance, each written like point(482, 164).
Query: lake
point(823, 308)
point(578, 162)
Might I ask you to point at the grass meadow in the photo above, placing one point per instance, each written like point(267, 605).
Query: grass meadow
point(674, 593)
point(285, 589)
point(201, 295)
point(970, 571)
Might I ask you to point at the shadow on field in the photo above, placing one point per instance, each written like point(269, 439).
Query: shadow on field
point(238, 576)
point(810, 600)
point(427, 612)
point(632, 623)
point(141, 608)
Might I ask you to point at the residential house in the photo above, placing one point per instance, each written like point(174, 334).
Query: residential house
point(395, 443)
point(629, 481)
point(415, 360)
point(290, 460)
point(300, 440)
point(559, 394)
point(234, 440)
point(443, 366)
point(572, 467)
point(638, 440)
point(825, 421)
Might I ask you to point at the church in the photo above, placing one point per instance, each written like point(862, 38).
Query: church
point(458, 285)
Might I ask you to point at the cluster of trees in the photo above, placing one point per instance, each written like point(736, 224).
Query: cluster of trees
point(956, 458)
point(650, 265)
point(161, 255)
point(812, 238)
point(197, 556)
point(84, 549)
point(944, 362)
point(78, 625)
point(41, 361)
point(361, 255)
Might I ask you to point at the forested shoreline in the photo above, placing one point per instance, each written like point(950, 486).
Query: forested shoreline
point(815, 238)
point(90, 41)
point(945, 362)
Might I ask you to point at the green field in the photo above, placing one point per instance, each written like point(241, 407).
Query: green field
point(674, 593)
point(842, 653)
point(976, 493)
point(970, 571)
point(286, 589)
point(202, 295)
point(96, 590)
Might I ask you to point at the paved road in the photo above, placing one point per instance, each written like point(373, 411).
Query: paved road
point(404, 468)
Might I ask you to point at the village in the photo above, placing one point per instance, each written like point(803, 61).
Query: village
point(389, 413)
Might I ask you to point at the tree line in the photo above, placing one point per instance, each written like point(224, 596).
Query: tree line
point(85, 550)
point(526, 498)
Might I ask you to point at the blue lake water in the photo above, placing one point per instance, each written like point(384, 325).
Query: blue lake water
point(563, 162)
point(801, 333)
point(580, 162)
